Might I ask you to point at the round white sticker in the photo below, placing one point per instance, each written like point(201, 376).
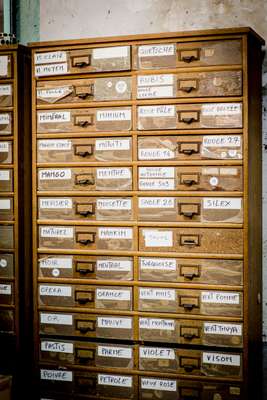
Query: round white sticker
point(3, 263)
point(232, 153)
point(214, 181)
point(109, 84)
point(55, 272)
point(121, 87)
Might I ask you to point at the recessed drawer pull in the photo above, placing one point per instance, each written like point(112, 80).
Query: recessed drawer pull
point(83, 120)
point(189, 336)
point(188, 367)
point(189, 182)
point(81, 61)
point(189, 240)
point(188, 148)
point(190, 275)
point(85, 326)
point(85, 180)
point(188, 210)
point(188, 302)
point(189, 306)
point(187, 85)
point(189, 333)
point(188, 117)
point(84, 151)
point(189, 364)
point(85, 268)
point(85, 209)
point(86, 383)
point(189, 55)
point(189, 179)
point(82, 92)
point(85, 238)
point(190, 271)
point(85, 354)
point(84, 297)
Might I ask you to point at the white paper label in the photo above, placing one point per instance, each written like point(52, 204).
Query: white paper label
point(5, 289)
point(54, 174)
point(113, 115)
point(229, 171)
point(221, 141)
point(115, 380)
point(113, 173)
point(56, 375)
point(157, 294)
point(164, 264)
point(114, 265)
point(156, 50)
point(156, 238)
point(111, 52)
point(4, 118)
point(112, 144)
point(155, 80)
point(56, 262)
point(5, 90)
point(221, 203)
point(115, 233)
point(56, 232)
point(3, 65)
point(159, 384)
point(155, 154)
point(156, 202)
point(156, 184)
point(53, 93)
point(221, 359)
point(53, 117)
point(220, 297)
point(50, 57)
point(153, 92)
point(114, 204)
point(5, 204)
point(156, 172)
point(51, 69)
point(221, 109)
point(49, 290)
point(156, 111)
point(4, 146)
point(58, 145)
point(57, 347)
point(215, 328)
point(56, 319)
point(48, 203)
point(157, 324)
point(117, 352)
point(4, 175)
point(156, 353)
point(114, 323)
point(113, 294)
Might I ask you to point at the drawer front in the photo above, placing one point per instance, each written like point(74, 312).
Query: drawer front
point(99, 297)
point(85, 179)
point(7, 293)
point(86, 238)
point(84, 90)
point(7, 321)
point(6, 62)
point(195, 84)
point(195, 302)
point(101, 355)
point(180, 148)
point(84, 120)
point(86, 325)
point(85, 208)
point(84, 150)
point(184, 270)
point(6, 95)
point(190, 116)
point(85, 267)
point(6, 180)
point(210, 178)
point(191, 209)
point(6, 265)
point(6, 152)
point(6, 208)
point(191, 240)
point(6, 237)
point(83, 61)
point(6, 123)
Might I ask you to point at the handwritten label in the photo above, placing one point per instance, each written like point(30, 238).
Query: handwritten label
point(221, 359)
point(50, 57)
point(157, 324)
point(165, 264)
point(56, 232)
point(221, 109)
point(49, 290)
point(58, 145)
point(157, 353)
point(5, 204)
point(155, 154)
point(113, 294)
point(4, 175)
point(54, 174)
point(220, 297)
point(114, 323)
point(47, 203)
point(115, 380)
point(57, 347)
point(156, 50)
point(111, 52)
point(114, 204)
point(156, 202)
point(222, 203)
point(115, 233)
point(3, 65)
point(221, 141)
point(56, 262)
point(4, 147)
point(153, 92)
point(113, 173)
point(156, 111)
point(112, 144)
point(4, 118)
point(5, 289)
point(155, 80)
point(157, 294)
point(117, 352)
point(51, 69)
point(159, 384)
point(53, 117)
point(156, 172)
point(157, 238)
point(215, 328)
point(56, 319)
point(56, 375)
point(114, 265)
point(156, 184)
point(113, 115)
point(54, 93)
point(5, 90)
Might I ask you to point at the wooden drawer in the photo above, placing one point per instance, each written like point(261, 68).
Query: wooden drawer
point(6, 208)
point(86, 238)
point(6, 265)
point(91, 178)
point(182, 148)
point(6, 61)
point(97, 297)
point(6, 152)
point(190, 116)
point(100, 355)
point(190, 362)
point(7, 321)
point(194, 84)
point(6, 123)
point(83, 150)
point(6, 236)
point(189, 54)
point(193, 301)
point(190, 332)
point(210, 178)
point(86, 208)
point(85, 267)
point(84, 120)
point(99, 59)
point(84, 90)
point(184, 270)
point(191, 240)
point(6, 180)
point(6, 95)
point(86, 325)
point(7, 293)
point(191, 209)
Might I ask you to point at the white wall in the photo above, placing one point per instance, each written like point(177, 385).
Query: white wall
point(73, 19)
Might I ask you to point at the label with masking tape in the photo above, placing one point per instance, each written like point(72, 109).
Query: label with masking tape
point(155, 154)
point(56, 347)
point(157, 353)
point(221, 203)
point(114, 323)
point(113, 173)
point(115, 233)
point(221, 359)
point(50, 57)
point(49, 290)
point(53, 117)
point(114, 204)
point(51, 69)
point(56, 319)
point(55, 174)
point(4, 118)
point(115, 380)
point(56, 375)
point(157, 324)
point(156, 50)
point(4, 147)
point(58, 145)
point(56, 262)
point(216, 328)
point(156, 111)
point(5, 90)
point(56, 232)
point(112, 144)
point(111, 52)
point(114, 265)
point(5, 289)
point(220, 297)
point(4, 175)
point(156, 238)
point(156, 202)
point(54, 93)
point(165, 264)
point(5, 204)
point(113, 115)
point(221, 141)
point(159, 384)
point(157, 294)
point(117, 352)
point(113, 294)
point(156, 172)
point(156, 184)
point(59, 203)
point(3, 65)
point(221, 109)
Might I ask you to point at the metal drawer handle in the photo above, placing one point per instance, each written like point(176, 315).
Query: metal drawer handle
point(187, 89)
point(189, 182)
point(189, 120)
point(85, 238)
point(86, 181)
point(189, 306)
point(85, 326)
